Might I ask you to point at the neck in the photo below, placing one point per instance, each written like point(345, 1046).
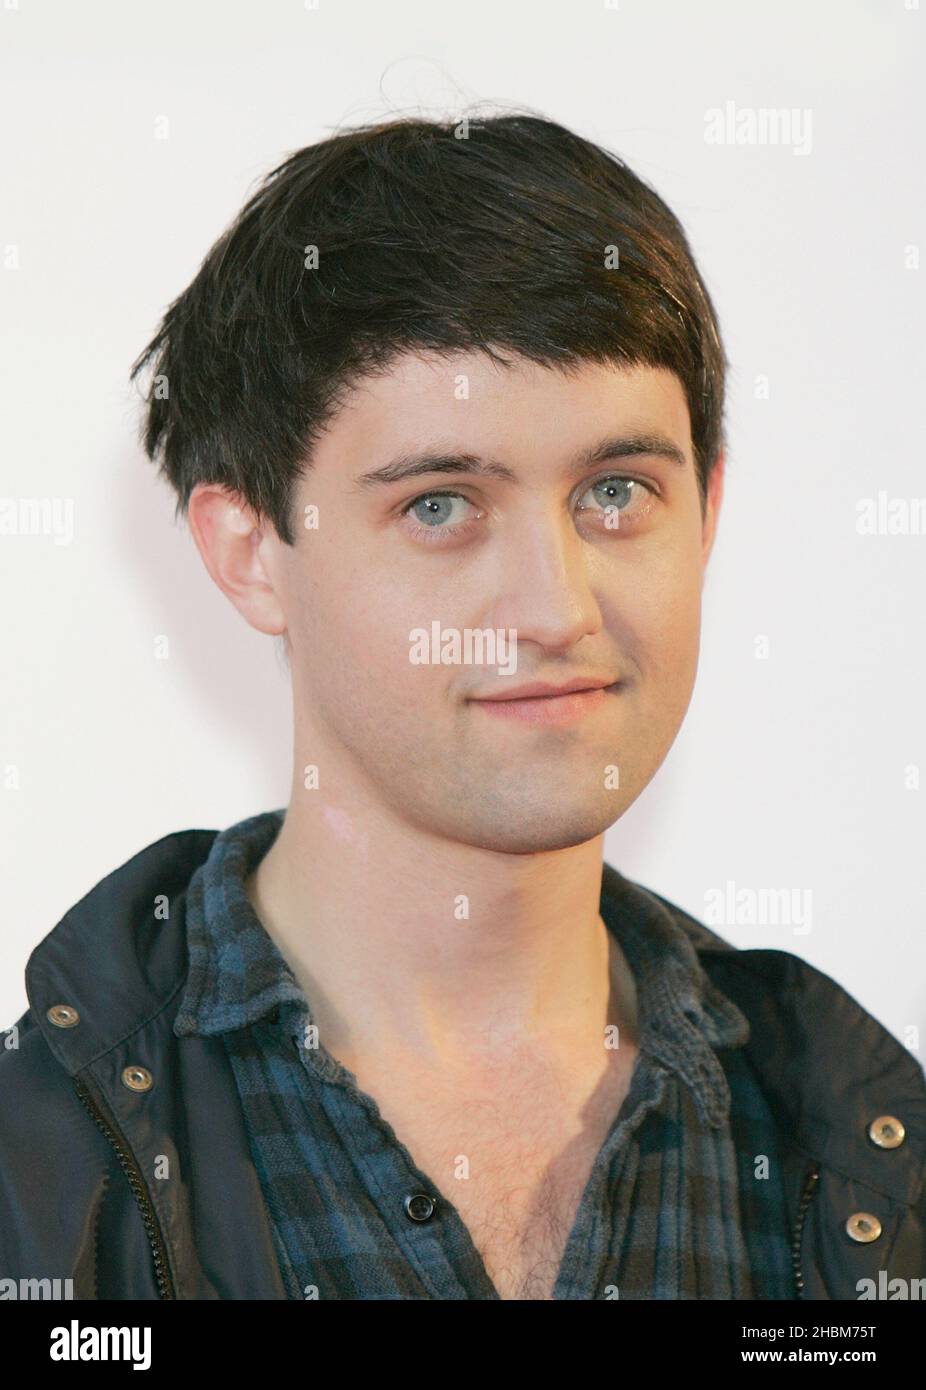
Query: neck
point(438, 949)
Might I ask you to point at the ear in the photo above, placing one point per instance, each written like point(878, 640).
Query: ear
point(228, 536)
point(712, 508)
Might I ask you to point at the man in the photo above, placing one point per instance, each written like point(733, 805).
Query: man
point(412, 1039)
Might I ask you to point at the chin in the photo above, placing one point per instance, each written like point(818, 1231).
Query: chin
point(530, 834)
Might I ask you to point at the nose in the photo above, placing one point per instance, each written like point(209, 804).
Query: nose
point(545, 590)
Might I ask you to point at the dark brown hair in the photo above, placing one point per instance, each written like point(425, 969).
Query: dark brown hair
point(509, 233)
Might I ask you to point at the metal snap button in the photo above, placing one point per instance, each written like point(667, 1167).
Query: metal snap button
point(137, 1078)
point(419, 1206)
point(62, 1015)
point(887, 1132)
point(863, 1227)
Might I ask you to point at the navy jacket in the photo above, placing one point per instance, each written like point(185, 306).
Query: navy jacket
point(99, 1091)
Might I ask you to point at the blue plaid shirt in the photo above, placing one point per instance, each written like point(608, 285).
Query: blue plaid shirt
point(677, 1205)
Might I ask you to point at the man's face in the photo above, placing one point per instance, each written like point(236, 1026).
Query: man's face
point(539, 553)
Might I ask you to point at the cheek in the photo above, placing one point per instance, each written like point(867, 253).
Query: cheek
point(661, 616)
point(354, 631)
point(675, 618)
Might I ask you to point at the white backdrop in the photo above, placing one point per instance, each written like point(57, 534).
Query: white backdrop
point(799, 766)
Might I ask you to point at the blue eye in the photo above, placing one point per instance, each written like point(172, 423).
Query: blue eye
point(441, 517)
point(436, 507)
point(620, 496)
point(428, 517)
point(616, 493)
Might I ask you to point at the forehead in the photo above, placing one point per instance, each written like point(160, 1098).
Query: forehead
point(466, 397)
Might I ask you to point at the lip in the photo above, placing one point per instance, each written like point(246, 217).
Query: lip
point(546, 704)
point(545, 690)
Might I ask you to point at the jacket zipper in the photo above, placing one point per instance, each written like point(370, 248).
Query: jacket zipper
point(139, 1190)
point(809, 1187)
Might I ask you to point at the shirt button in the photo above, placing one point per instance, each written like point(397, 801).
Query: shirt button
point(419, 1206)
point(887, 1132)
point(863, 1227)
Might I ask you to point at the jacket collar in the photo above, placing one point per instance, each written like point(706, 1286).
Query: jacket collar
point(828, 1067)
point(119, 957)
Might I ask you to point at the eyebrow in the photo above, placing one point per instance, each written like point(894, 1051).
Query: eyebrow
point(413, 465)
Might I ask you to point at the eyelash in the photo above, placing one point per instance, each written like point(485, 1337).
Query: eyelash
point(429, 534)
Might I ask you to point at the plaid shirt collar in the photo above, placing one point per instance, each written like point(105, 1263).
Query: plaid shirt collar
point(238, 976)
